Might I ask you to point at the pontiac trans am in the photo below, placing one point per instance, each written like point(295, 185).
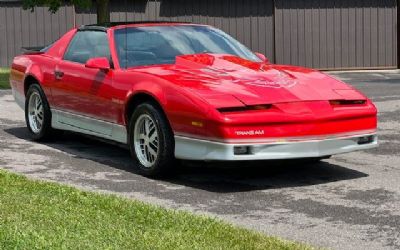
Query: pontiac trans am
point(186, 91)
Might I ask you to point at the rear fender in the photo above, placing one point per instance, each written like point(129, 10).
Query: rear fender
point(34, 71)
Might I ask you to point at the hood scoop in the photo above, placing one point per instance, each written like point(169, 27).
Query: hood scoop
point(218, 62)
point(237, 70)
point(213, 76)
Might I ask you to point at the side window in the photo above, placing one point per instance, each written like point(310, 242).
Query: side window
point(86, 45)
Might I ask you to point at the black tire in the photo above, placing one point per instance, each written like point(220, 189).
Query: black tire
point(164, 163)
point(45, 132)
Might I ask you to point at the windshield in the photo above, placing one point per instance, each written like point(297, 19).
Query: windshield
point(138, 46)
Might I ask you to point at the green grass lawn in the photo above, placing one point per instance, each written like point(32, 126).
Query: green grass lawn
point(4, 74)
point(44, 215)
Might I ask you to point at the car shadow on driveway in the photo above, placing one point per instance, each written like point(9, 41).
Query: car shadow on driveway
point(219, 177)
point(262, 175)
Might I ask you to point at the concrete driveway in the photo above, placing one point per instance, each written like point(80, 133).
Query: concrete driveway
point(351, 201)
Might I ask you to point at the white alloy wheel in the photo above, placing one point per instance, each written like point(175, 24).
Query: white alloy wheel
point(146, 142)
point(35, 112)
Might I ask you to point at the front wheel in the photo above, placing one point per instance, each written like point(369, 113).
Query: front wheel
point(151, 141)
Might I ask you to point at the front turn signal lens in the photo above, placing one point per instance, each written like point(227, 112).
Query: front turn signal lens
point(197, 124)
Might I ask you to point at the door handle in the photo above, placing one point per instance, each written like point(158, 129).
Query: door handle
point(58, 74)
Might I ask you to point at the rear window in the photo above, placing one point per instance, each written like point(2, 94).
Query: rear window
point(46, 48)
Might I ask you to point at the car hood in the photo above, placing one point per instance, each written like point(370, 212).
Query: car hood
point(227, 81)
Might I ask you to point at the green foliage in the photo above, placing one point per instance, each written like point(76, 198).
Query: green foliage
point(43, 215)
point(102, 6)
point(4, 78)
point(54, 5)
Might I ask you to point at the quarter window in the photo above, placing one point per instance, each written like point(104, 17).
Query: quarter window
point(86, 45)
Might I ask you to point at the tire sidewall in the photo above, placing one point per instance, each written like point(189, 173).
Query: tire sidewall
point(165, 157)
point(46, 126)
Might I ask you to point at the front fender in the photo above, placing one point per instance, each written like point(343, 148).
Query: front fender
point(155, 91)
point(149, 88)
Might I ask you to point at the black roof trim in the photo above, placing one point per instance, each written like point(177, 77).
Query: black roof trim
point(105, 26)
point(92, 27)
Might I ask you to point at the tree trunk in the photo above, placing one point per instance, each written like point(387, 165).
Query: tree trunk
point(103, 11)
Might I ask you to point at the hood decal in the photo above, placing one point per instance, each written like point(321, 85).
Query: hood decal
point(235, 69)
point(213, 76)
point(279, 81)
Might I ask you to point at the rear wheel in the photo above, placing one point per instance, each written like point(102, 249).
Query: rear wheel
point(37, 113)
point(151, 141)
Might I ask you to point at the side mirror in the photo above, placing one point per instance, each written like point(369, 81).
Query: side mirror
point(262, 57)
point(98, 63)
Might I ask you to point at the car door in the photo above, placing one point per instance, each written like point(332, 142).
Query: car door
point(83, 96)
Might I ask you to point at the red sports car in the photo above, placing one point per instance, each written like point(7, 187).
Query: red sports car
point(186, 91)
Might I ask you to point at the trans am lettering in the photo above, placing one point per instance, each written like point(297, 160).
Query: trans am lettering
point(249, 132)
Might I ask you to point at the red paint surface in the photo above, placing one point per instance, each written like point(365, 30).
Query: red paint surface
point(196, 86)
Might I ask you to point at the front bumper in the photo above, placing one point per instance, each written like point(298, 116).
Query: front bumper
point(199, 149)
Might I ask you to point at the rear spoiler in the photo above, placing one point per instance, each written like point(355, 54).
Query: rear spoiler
point(33, 50)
